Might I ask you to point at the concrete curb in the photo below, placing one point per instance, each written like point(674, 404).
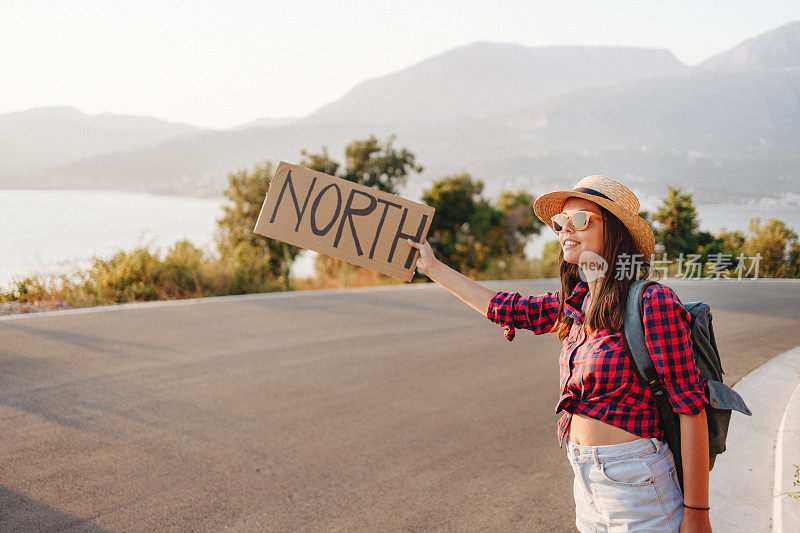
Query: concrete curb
point(786, 496)
point(745, 479)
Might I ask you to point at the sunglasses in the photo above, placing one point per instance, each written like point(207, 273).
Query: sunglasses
point(580, 220)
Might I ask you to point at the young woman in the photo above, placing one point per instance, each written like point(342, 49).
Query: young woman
point(624, 471)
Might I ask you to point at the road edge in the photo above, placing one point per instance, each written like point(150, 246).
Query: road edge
point(786, 494)
point(743, 483)
point(209, 299)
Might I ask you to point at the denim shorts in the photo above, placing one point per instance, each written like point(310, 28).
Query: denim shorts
point(626, 487)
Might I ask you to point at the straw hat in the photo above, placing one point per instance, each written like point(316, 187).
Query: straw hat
point(610, 194)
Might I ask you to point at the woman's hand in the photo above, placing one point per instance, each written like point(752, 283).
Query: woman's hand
point(695, 521)
point(426, 260)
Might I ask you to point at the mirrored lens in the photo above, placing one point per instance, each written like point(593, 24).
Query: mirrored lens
point(558, 221)
point(580, 220)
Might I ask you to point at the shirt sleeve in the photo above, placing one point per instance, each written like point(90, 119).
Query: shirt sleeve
point(536, 313)
point(668, 338)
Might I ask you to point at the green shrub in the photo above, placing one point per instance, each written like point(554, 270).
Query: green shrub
point(126, 277)
point(184, 273)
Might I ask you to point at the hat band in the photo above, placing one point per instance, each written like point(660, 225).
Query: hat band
point(587, 190)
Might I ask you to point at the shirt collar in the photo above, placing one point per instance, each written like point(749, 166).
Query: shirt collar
point(573, 303)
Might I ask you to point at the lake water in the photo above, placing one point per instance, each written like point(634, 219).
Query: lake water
point(56, 230)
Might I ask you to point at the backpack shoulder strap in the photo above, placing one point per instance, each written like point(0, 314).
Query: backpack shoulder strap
point(634, 337)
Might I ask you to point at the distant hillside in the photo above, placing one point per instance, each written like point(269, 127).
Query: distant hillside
point(726, 133)
point(714, 113)
point(196, 165)
point(265, 123)
point(48, 136)
point(681, 129)
point(485, 79)
point(778, 49)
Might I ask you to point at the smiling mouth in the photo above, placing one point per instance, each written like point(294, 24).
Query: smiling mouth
point(569, 243)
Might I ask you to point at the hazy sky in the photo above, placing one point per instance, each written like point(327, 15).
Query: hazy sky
point(222, 63)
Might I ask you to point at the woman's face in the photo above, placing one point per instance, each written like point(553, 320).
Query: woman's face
point(575, 242)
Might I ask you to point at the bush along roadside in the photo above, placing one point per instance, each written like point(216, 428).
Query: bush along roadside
point(482, 239)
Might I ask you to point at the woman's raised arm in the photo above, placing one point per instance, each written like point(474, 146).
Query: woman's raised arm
point(470, 292)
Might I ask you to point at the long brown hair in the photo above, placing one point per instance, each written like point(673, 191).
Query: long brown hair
point(607, 308)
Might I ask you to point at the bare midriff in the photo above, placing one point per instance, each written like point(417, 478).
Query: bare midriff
point(586, 431)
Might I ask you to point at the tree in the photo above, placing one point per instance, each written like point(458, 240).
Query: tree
point(246, 192)
point(677, 223)
point(367, 162)
point(467, 230)
point(519, 222)
point(455, 199)
point(320, 162)
point(777, 245)
point(794, 258)
point(551, 260)
point(725, 242)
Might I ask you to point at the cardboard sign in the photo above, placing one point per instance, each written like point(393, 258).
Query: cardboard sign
point(345, 220)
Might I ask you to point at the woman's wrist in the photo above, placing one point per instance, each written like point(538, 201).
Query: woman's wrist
point(434, 270)
point(701, 508)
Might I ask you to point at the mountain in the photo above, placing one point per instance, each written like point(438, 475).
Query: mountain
point(485, 79)
point(721, 113)
point(727, 134)
point(196, 165)
point(265, 123)
point(778, 49)
point(716, 132)
point(47, 136)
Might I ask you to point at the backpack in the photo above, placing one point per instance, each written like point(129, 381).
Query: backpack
point(722, 399)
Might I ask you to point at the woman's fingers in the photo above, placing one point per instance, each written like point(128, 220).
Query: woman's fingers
point(419, 245)
point(423, 247)
point(421, 263)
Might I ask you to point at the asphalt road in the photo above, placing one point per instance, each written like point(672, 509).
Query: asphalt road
point(384, 409)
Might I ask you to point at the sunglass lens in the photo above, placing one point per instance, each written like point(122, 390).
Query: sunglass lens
point(580, 220)
point(559, 221)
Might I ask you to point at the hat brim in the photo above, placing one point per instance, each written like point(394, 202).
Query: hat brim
point(552, 203)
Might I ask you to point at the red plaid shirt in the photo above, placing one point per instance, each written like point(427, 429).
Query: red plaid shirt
point(597, 378)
